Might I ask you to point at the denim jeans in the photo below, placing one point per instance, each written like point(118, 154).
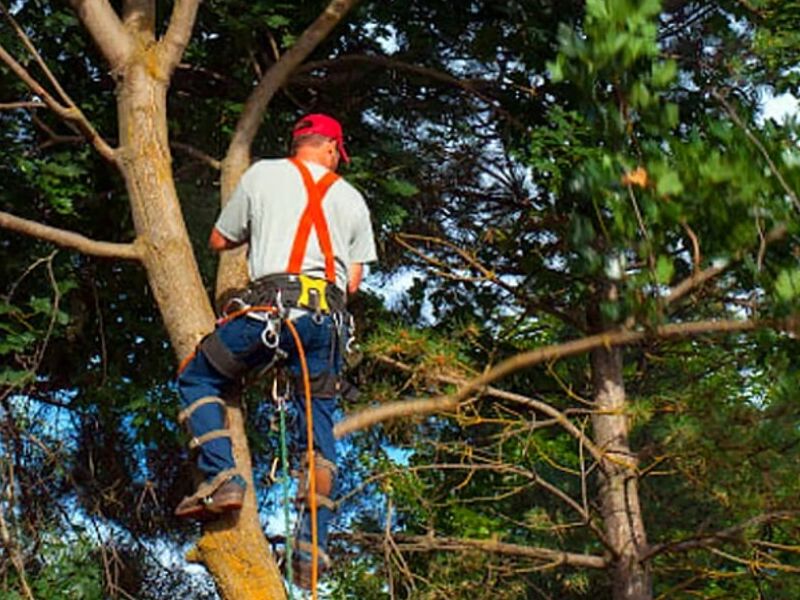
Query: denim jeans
point(242, 336)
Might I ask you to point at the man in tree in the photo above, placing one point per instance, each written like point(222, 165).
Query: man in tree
point(309, 235)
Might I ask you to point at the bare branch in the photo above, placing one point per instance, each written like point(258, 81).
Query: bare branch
point(279, 73)
point(198, 154)
point(372, 416)
point(423, 543)
point(71, 114)
point(22, 104)
point(731, 534)
point(70, 239)
point(174, 42)
point(386, 62)
point(104, 25)
point(557, 416)
point(471, 86)
point(698, 278)
point(26, 41)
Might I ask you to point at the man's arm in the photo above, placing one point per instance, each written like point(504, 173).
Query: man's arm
point(219, 242)
point(354, 275)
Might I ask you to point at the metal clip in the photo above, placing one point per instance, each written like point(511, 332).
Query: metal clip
point(351, 334)
point(270, 336)
point(233, 305)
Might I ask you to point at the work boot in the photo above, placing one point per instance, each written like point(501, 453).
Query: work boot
point(301, 565)
point(226, 498)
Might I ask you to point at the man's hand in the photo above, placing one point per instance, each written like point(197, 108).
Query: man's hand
point(219, 242)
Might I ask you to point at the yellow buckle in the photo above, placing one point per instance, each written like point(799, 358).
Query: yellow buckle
point(315, 285)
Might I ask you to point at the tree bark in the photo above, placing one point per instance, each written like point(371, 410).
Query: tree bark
point(619, 489)
point(233, 549)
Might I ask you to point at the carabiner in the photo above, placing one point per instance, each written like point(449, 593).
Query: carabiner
point(270, 336)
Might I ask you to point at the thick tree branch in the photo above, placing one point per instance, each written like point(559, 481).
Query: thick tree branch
point(423, 543)
point(70, 239)
point(372, 416)
point(71, 114)
point(106, 29)
point(279, 73)
point(178, 34)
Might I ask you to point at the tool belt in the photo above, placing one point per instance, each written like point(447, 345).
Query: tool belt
point(295, 291)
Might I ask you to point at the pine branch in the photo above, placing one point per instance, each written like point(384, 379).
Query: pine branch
point(406, 408)
point(730, 535)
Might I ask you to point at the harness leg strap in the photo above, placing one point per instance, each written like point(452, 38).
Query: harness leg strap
point(221, 358)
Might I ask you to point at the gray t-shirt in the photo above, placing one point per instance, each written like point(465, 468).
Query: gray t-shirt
point(266, 207)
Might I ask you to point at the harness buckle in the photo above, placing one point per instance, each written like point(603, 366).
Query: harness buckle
point(312, 294)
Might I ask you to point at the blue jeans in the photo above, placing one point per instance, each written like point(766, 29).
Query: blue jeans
point(242, 336)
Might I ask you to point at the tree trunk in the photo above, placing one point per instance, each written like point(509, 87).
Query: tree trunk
point(234, 549)
point(619, 490)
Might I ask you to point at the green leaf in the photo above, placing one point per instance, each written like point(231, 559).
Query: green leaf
point(400, 187)
point(663, 73)
point(665, 269)
point(669, 184)
point(787, 284)
point(276, 21)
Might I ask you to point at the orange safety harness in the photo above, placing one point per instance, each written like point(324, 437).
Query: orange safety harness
point(313, 216)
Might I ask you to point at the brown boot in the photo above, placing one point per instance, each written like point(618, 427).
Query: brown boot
point(226, 498)
point(301, 565)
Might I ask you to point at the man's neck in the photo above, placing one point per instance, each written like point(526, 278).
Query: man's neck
point(312, 157)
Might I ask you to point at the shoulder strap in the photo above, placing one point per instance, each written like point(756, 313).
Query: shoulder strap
point(313, 216)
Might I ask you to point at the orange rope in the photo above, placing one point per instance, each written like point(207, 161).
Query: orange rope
point(312, 472)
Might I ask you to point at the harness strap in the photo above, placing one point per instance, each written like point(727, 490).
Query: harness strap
point(320, 501)
point(313, 216)
point(207, 488)
point(187, 412)
point(207, 437)
point(220, 356)
point(324, 385)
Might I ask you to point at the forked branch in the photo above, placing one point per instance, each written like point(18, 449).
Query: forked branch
point(69, 113)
